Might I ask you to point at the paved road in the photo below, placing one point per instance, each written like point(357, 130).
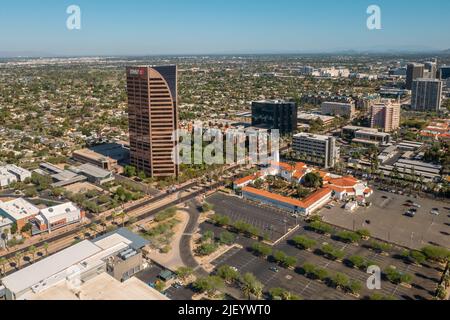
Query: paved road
point(185, 247)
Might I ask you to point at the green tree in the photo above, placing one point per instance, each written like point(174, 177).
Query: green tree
point(184, 273)
point(349, 237)
point(261, 249)
point(357, 261)
point(220, 220)
point(435, 253)
point(309, 269)
point(3, 263)
point(355, 287)
point(251, 286)
point(303, 242)
point(32, 250)
point(206, 207)
point(313, 180)
point(206, 249)
point(364, 233)
point(208, 236)
point(45, 246)
point(209, 284)
point(282, 294)
point(340, 280)
point(227, 238)
point(228, 274)
point(130, 171)
point(320, 273)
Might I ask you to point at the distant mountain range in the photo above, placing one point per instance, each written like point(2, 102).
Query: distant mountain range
point(373, 50)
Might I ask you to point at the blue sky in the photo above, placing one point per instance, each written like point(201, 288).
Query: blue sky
point(116, 27)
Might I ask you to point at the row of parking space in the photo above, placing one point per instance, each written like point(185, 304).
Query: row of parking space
point(245, 261)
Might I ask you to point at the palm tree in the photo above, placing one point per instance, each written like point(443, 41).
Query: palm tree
point(45, 246)
point(103, 223)
point(250, 285)
point(93, 227)
point(18, 259)
point(32, 250)
point(3, 262)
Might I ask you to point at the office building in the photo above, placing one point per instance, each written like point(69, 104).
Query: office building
point(153, 119)
point(308, 118)
point(319, 150)
point(94, 174)
point(426, 95)
point(385, 116)
point(413, 71)
point(346, 110)
point(275, 114)
point(368, 137)
point(444, 72)
point(430, 70)
point(94, 158)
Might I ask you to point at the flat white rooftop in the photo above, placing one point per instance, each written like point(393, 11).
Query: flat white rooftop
point(18, 209)
point(102, 287)
point(312, 136)
point(59, 210)
point(35, 273)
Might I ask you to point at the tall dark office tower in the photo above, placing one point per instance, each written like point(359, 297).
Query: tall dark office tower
point(444, 72)
point(275, 114)
point(413, 71)
point(153, 118)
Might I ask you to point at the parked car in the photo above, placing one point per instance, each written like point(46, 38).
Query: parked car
point(410, 214)
point(274, 269)
point(176, 285)
point(435, 212)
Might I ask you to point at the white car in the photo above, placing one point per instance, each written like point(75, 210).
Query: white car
point(436, 213)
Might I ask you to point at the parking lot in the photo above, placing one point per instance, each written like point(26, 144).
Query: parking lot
point(389, 222)
point(150, 276)
point(425, 277)
point(275, 223)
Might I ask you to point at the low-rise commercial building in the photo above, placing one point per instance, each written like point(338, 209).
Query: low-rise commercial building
point(94, 174)
point(19, 211)
point(86, 270)
point(308, 118)
point(57, 217)
point(22, 212)
point(12, 173)
point(347, 110)
point(96, 159)
point(304, 207)
point(372, 137)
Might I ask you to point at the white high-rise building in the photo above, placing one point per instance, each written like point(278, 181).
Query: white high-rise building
point(316, 149)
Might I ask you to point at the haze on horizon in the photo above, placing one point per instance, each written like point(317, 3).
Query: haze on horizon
point(177, 27)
